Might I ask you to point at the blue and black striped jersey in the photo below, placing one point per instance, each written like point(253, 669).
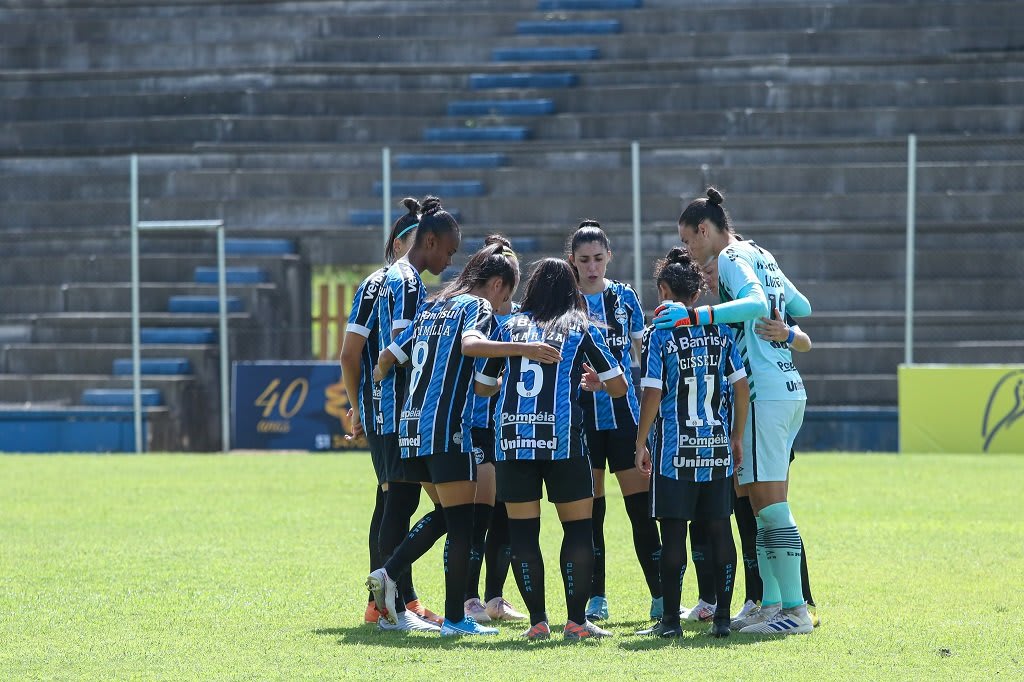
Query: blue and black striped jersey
point(401, 295)
point(435, 417)
point(361, 321)
point(694, 368)
point(482, 408)
point(620, 318)
point(538, 414)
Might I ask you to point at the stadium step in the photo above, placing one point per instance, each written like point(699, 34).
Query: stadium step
point(568, 27)
point(474, 134)
point(178, 335)
point(441, 188)
point(203, 304)
point(123, 366)
point(232, 274)
point(237, 246)
point(74, 358)
point(545, 54)
point(510, 107)
point(121, 397)
point(537, 81)
point(577, 5)
point(450, 161)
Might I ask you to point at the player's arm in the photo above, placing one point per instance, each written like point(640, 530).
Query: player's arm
point(351, 373)
point(650, 402)
point(613, 381)
point(797, 304)
point(783, 331)
point(397, 353)
point(740, 408)
point(636, 323)
point(488, 377)
point(750, 303)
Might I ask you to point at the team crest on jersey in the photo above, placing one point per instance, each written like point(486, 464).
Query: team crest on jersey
point(621, 316)
point(478, 455)
point(457, 438)
point(671, 346)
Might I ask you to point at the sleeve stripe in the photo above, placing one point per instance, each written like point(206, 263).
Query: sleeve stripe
point(400, 324)
point(358, 329)
point(648, 382)
point(637, 335)
point(473, 332)
point(610, 374)
point(486, 380)
point(399, 354)
point(737, 375)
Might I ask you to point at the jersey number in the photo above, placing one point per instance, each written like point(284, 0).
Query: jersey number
point(420, 350)
point(536, 384)
point(691, 401)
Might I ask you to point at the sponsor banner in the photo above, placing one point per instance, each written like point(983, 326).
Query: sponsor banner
point(290, 406)
point(961, 408)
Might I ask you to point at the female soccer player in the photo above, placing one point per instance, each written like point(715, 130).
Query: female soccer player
point(693, 377)
point(436, 446)
point(401, 294)
point(539, 439)
point(610, 424)
point(751, 284)
point(358, 358)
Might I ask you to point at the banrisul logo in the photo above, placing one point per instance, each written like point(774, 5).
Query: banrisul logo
point(1004, 409)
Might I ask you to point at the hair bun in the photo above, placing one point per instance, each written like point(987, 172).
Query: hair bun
point(589, 222)
point(430, 205)
point(411, 204)
point(497, 239)
point(677, 255)
point(715, 197)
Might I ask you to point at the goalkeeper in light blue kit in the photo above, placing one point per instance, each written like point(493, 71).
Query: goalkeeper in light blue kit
point(751, 285)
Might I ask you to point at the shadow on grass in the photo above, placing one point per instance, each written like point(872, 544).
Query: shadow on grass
point(371, 636)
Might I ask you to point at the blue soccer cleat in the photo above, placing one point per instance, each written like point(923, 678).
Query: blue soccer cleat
point(657, 608)
point(466, 626)
point(597, 609)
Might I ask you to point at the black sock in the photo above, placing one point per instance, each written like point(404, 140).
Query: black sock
point(417, 542)
point(673, 566)
point(497, 554)
point(805, 579)
point(374, 540)
point(703, 561)
point(459, 520)
point(723, 550)
point(481, 520)
point(528, 563)
point(399, 505)
point(747, 526)
point(645, 539)
point(577, 559)
point(597, 586)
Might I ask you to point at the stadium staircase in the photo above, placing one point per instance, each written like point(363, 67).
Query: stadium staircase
point(519, 114)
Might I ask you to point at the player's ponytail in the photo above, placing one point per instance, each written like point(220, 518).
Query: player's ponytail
point(403, 227)
point(495, 259)
point(680, 273)
point(706, 208)
point(434, 220)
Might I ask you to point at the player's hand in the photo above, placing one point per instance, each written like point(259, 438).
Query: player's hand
point(355, 424)
point(542, 352)
point(671, 315)
point(591, 381)
point(737, 452)
point(379, 374)
point(643, 459)
point(773, 328)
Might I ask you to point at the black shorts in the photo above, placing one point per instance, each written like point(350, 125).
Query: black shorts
point(441, 467)
point(391, 457)
point(614, 449)
point(566, 480)
point(691, 501)
point(483, 445)
point(376, 444)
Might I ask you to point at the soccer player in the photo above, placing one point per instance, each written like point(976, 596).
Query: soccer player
point(610, 424)
point(751, 284)
point(436, 446)
point(359, 353)
point(401, 295)
point(694, 378)
point(539, 439)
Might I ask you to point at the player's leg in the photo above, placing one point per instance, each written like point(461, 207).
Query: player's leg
point(704, 568)
point(715, 508)
point(372, 615)
point(483, 507)
point(805, 578)
point(519, 485)
point(597, 446)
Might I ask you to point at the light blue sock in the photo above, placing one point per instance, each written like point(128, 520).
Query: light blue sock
point(782, 548)
point(770, 586)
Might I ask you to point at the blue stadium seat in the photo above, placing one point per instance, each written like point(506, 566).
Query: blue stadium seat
point(202, 304)
point(123, 366)
point(120, 397)
point(487, 134)
point(178, 335)
point(487, 160)
point(547, 5)
point(238, 274)
point(441, 188)
point(257, 246)
point(374, 216)
point(545, 54)
point(587, 26)
point(511, 107)
point(486, 81)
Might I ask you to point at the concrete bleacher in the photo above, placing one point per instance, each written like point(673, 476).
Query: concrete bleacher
point(272, 115)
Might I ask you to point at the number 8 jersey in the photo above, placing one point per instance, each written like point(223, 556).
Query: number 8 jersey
point(538, 415)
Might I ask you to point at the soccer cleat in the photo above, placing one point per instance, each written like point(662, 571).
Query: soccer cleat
point(597, 609)
point(794, 621)
point(657, 608)
point(748, 608)
point(660, 629)
point(702, 612)
point(417, 607)
point(407, 621)
point(372, 615)
point(466, 626)
point(499, 609)
point(813, 615)
point(538, 632)
point(576, 633)
point(758, 615)
point(719, 629)
point(384, 592)
point(476, 610)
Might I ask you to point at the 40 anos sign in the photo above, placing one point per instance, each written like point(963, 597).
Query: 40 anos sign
point(290, 406)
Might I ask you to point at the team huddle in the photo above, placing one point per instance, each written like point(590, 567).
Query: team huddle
point(485, 404)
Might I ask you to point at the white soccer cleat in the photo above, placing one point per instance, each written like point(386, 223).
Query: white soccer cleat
point(475, 609)
point(757, 615)
point(795, 621)
point(407, 621)
point(748, 608)
point(499, 609)
point(384, 592)
point(702, 612)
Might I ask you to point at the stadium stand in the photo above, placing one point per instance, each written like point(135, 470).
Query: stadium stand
point(272, 116)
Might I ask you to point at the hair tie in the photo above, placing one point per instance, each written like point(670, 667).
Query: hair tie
point(508, 253)
point(406, 230)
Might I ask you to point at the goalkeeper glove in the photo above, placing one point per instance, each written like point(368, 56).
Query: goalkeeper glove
point(669, 315)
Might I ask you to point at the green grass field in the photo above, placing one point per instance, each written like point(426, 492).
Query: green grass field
point(251, 567)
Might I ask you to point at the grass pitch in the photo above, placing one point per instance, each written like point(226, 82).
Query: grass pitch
point(251, 567)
